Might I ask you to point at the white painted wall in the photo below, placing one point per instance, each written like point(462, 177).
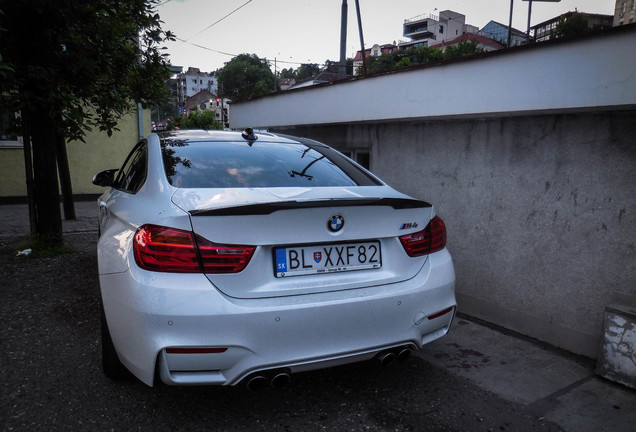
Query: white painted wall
point(572, 75)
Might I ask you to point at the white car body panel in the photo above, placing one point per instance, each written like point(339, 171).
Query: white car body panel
point(150, 313)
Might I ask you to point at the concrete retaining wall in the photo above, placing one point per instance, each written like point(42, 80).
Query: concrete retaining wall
point(529, 155)
point(540, 211)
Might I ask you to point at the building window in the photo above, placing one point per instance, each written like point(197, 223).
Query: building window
point(363, 157)
point(5, 123)
point(7, 137)
point(441, 29)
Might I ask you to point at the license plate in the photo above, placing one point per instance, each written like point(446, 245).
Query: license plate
point(331, 258)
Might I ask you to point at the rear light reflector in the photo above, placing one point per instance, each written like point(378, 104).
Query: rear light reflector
point(219, 258)
point(440, 313)
point(195, 350)
point(163, 249)
point(430, 239)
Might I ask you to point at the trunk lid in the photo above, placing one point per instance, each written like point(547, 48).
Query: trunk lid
point(291, 218)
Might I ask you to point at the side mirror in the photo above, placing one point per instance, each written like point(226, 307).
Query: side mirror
point(105, 178)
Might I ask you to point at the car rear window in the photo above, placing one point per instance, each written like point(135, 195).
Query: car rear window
point(261, 164)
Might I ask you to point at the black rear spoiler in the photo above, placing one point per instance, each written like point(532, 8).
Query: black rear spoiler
point(269, 208)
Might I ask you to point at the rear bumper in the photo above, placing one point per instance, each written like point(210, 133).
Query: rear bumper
point(149, 312)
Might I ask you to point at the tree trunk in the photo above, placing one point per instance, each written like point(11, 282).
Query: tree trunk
point(45, 185)
point(65, 177)
point(28, 170)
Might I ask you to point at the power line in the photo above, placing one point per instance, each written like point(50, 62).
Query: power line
point(234, 55)
point(219, 20)
point(206, 48)
point(222, 52)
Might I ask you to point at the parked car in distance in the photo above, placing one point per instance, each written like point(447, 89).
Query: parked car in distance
point(229, 257)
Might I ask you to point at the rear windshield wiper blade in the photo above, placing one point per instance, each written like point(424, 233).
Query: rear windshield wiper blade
point(269, 208)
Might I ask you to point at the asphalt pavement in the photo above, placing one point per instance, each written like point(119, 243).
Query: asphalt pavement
point(554, 384)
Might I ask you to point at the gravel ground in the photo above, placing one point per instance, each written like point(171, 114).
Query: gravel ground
point(52, 380)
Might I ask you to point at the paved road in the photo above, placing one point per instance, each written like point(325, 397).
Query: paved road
point(14, 219)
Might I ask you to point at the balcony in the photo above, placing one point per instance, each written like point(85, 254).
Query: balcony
point(421, 18)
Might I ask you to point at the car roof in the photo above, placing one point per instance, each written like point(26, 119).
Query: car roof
point(194, 135)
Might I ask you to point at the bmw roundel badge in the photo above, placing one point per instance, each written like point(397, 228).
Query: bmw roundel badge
point(335, 223)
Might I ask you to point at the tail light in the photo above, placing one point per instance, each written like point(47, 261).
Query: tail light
point(217, 258)
point(165, 249)
point(430, 239)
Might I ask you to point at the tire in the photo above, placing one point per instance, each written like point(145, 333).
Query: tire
point(111, 365)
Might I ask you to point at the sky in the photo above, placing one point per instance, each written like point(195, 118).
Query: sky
point(292, 32)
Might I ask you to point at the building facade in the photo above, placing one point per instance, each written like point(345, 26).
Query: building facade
point(499, 32)
point(547, 30)
point(484, 44)
point(193, 81)
point(98, 153)
point(204, 100)
point(375, 51)
point(430, 30)
point(624, 12)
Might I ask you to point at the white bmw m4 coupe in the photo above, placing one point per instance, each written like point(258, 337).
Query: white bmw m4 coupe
point(229, 257)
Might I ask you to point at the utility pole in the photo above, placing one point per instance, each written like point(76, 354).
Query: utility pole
point(529, 13)
point(510, 24)
point(364, 61)
point(342, 67)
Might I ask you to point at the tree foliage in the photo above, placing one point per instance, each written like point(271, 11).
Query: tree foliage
point(307, 70)
point(575, 24)
point(167, 108)
point(461, 49)
point(419, 55)
point(246, 76)
point(88, 62)
point(74, 65)
point(205, 119)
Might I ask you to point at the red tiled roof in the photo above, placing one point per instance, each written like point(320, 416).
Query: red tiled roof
point(472, 36)
point(196, 99)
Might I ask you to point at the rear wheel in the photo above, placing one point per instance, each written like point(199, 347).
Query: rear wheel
point(112, 366)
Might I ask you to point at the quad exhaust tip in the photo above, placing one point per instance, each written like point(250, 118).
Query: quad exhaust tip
point(276, 379)
point(257, 382)
point(280, 380)
point(385, 358)
point(403, 355)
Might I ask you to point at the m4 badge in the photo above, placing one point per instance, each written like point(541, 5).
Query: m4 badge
point(408, 225)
